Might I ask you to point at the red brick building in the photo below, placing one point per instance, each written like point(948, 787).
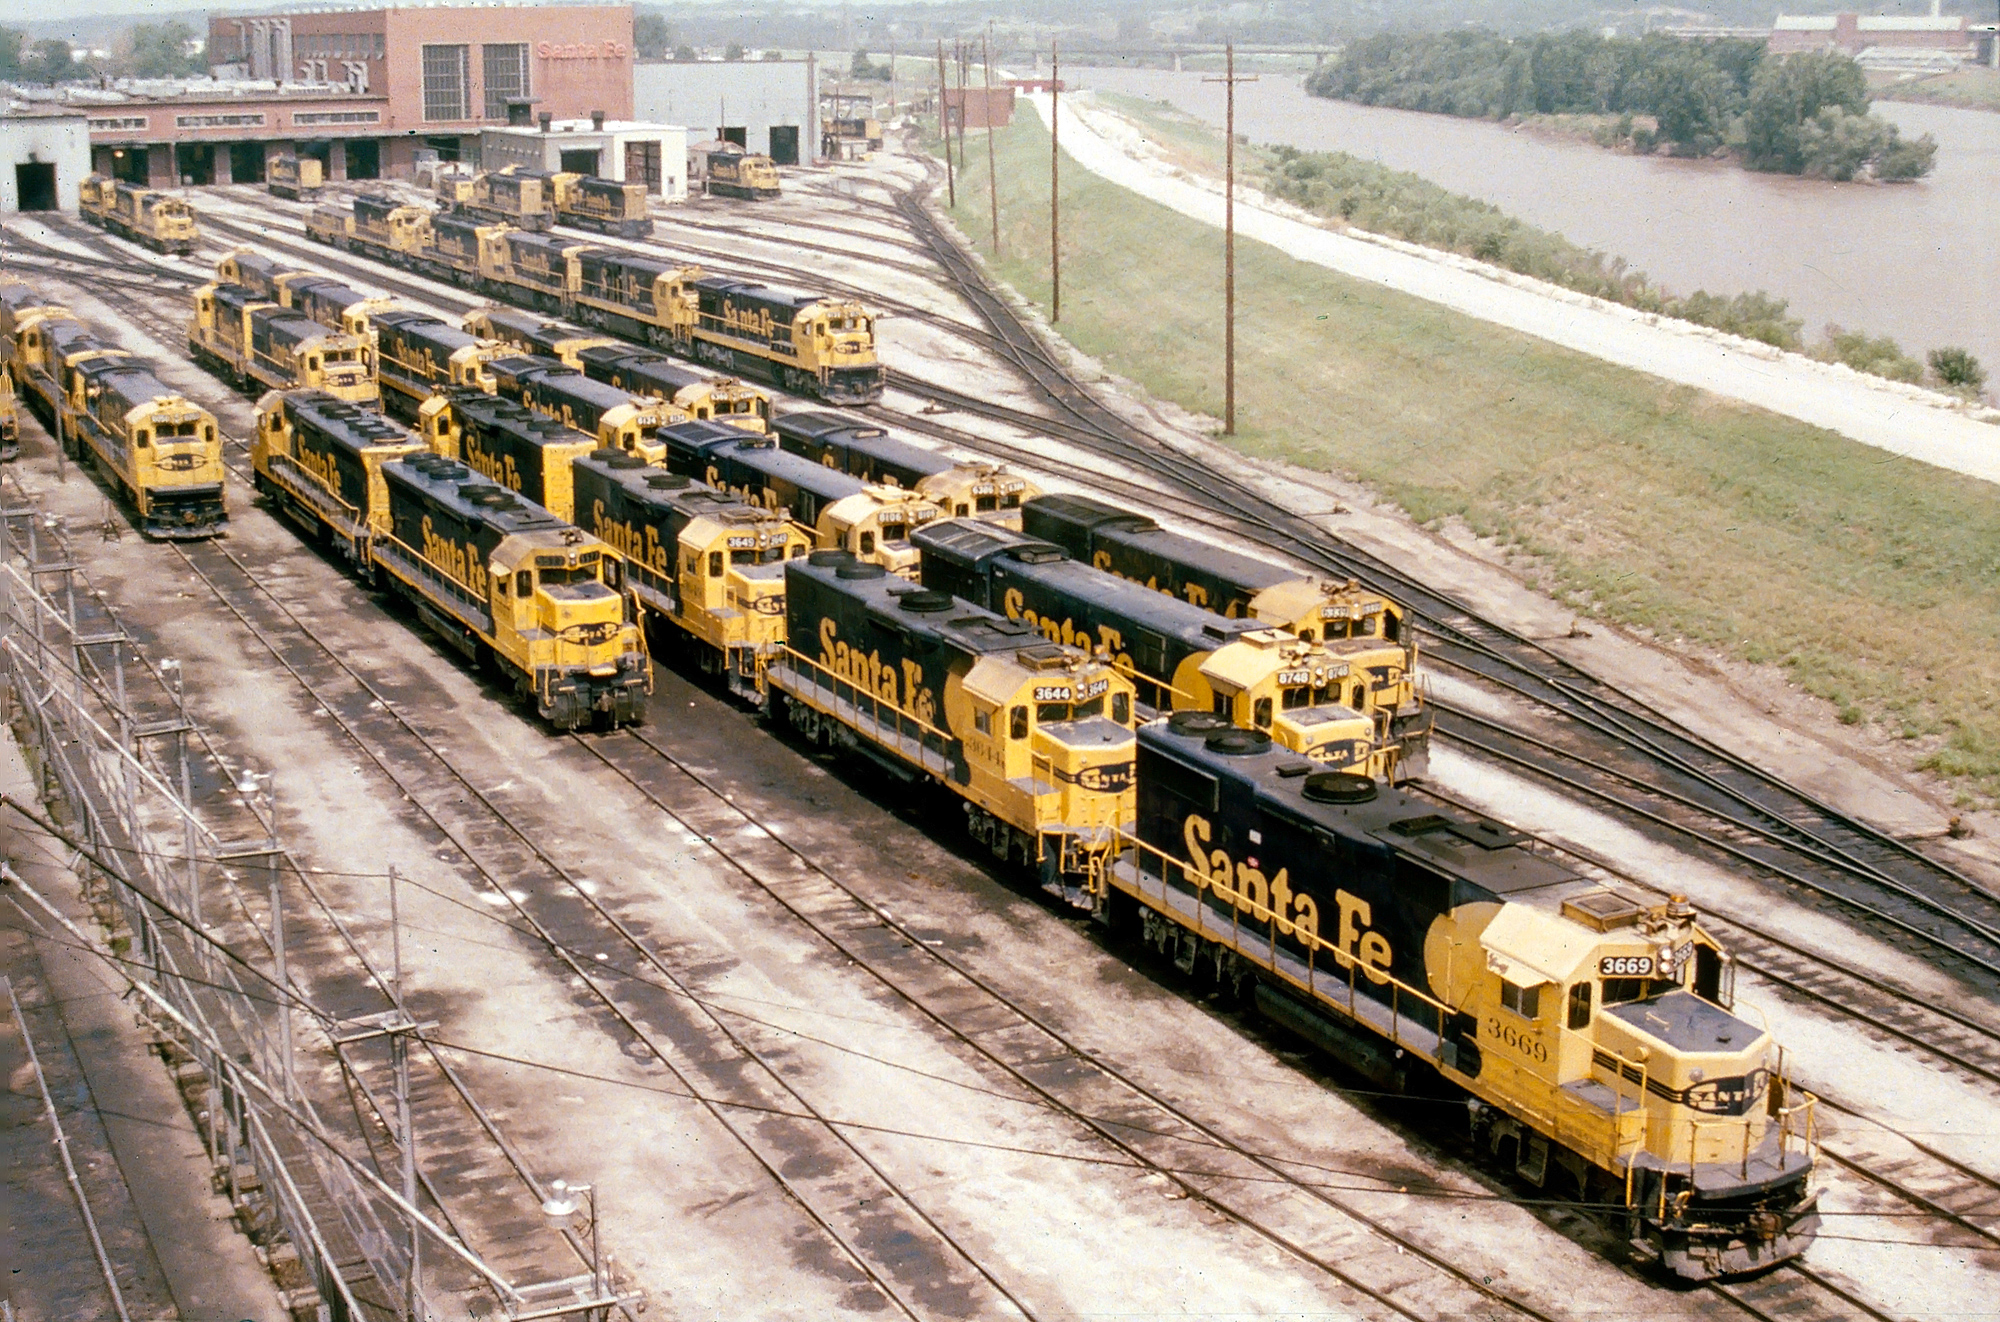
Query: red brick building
point(979, 108)
point(366, 89)
point(1853, 34)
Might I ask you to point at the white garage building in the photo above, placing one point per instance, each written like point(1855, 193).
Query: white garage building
point(42, 160)
point(764, 106)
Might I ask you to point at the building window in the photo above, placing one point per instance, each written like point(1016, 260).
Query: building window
point(444, 82)
point(251, 121)
point(304, 117)
point(506, 76)
point(115, 124)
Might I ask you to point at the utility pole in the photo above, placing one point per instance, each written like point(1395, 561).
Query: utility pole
point(892, 73)
point(397, 1026)
point(1055, 185)
point(964, 58)
point(1230, 79)
point(944, 132)
point(992, 170)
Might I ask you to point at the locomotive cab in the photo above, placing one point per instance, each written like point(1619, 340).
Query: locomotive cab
point(576, 621)
point(1623, 1012)
point(875, 525)
point(1303, 696)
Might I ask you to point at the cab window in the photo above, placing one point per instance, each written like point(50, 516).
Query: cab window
point(1017, 723)
point(1524, 1001)
point(1579, 1006)
point(867, 543)
point(1262, 714)
point(982, 721)
point(524, 584)
point(895, 532)
point(715, 564)
point(1121, 708)
point(140, 438)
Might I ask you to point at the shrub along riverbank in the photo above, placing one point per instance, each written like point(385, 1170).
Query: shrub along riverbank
point(1804, 115)
point(1405, 206)
point(1646, 503)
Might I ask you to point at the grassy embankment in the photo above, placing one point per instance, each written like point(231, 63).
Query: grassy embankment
point(1873, 581)
point(1968, 89)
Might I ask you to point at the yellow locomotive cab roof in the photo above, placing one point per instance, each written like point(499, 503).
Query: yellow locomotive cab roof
point(1529, 946)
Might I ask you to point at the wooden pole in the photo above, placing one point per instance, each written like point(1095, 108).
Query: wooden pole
point(992, 170)
point(964, 57)
point(944, 132)
point(1055, 185)
point(1229, 79)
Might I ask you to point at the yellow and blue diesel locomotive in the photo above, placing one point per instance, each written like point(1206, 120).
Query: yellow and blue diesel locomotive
point(1183, 657)
point(605, 205)
point(502, 580)
point(10, 419)
point(959, 488)
point(838, 512)
point(700, 395)
point(162, 452)
point(329, 301)
point(525, 452)
point(1364, 626)
point(753, 178)
point(522, 198)
point(319, 459)
point(1591, 1032)
point(296, 178)
point(36, 333)
point(1034, 738)
point(811, 343)
point(617, 418)
point(704, 396)
point(250, 341)
point(709, 566)
point(158, 220)
point(417, 355)
point(637, 296)
point(532, 333)
point(534, 270)
point(806, 343)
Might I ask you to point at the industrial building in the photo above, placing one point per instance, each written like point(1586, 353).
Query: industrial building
point(764, 106)
point(651, 154)
point(367, 90)
point(42, 159)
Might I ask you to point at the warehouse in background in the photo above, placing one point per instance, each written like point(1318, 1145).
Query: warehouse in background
point(366, 90)
point(767, 107)
point(42, 160)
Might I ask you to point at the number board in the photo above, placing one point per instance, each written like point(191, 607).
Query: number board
point(1625, 966)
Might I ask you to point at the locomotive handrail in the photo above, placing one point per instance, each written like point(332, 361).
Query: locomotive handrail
point(1312, 943)
point(425, 569)
point(928, 736)
point(323, 491)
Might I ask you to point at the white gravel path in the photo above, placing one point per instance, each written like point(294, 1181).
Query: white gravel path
point(1905, 420)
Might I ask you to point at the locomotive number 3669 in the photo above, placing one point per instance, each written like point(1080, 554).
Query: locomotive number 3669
point(1625, 966)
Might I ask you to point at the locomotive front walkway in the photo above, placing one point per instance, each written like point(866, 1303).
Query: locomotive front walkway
point(1904, 420)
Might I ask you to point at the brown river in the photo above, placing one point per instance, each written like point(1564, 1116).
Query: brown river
point(1917, 261)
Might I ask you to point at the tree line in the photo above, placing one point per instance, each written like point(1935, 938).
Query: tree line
point(1808, 114)
point(147, 50)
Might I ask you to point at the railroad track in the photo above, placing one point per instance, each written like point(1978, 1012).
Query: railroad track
point(1154, 1133)
point(1337, 1239)
point(975, 441)
point(1925, 904)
